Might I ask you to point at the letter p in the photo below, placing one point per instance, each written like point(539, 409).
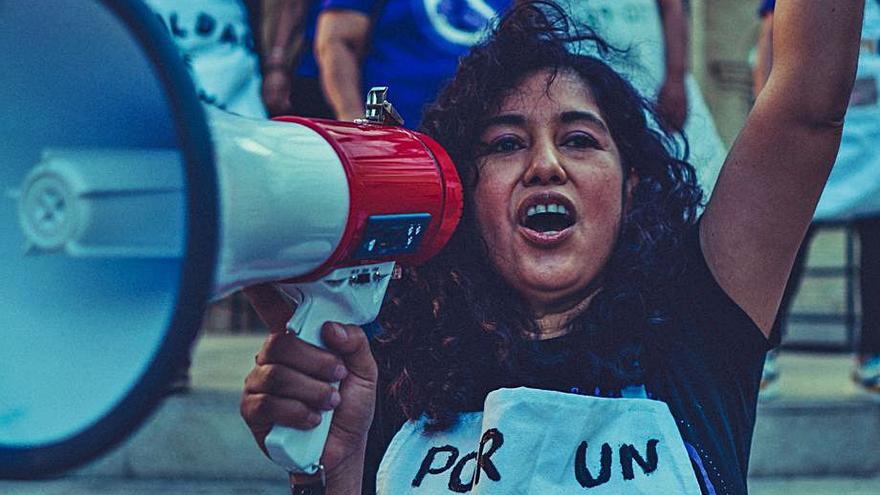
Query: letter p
point(427, 466)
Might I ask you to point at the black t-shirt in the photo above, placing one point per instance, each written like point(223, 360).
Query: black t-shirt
point(707, 373)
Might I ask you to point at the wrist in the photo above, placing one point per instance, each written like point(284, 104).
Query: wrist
point(308, 484)
point(275, 60)
point(275, 68)
point(346, 477)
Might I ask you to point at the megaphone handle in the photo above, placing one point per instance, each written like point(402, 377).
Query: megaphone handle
point(300, 450)
point(349, 295)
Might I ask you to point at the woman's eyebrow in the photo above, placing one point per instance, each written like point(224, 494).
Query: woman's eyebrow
point(511, 119)
point(581, 116)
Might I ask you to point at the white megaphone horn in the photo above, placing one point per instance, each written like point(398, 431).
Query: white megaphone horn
point(128, 207)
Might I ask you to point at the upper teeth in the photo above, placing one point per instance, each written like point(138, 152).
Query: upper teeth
point(546, 208)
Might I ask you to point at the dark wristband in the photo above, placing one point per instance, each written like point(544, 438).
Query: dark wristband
point(307, 485)
point(308, 489)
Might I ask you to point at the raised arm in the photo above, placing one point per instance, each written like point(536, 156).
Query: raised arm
point(773, 177)
point(340, 42)
point(672, 98)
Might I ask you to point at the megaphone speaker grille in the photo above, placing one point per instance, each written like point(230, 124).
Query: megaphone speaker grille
point(90, 328)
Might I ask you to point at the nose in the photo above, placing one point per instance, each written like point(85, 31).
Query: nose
point(544, 167)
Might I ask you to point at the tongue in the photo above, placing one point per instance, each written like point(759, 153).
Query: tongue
point(547, 222)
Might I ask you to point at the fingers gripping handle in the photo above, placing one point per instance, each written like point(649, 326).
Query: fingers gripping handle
point(348, 295)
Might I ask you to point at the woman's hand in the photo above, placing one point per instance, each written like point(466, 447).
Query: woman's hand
point(291, 382)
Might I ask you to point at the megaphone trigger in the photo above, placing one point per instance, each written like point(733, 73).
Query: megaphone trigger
point(350, 295)
point(291, 295)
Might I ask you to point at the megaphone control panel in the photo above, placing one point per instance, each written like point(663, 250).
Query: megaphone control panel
point(405, 197)
point(390, 235)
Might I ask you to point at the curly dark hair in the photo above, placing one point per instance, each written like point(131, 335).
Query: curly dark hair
point(454, 328)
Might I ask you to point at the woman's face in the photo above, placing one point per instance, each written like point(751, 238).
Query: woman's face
point(549, 197)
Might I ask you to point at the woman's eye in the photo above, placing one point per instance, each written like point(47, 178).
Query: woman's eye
point(580, 140)
point(505, 145)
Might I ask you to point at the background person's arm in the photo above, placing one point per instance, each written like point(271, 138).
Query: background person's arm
point(282, 23)
point(340, 43)
point(672, 97)
point(777, 168)
point(763, 54)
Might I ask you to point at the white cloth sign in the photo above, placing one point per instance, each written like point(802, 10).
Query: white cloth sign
point(635, 26)
point(537, 441)
point(215, 39)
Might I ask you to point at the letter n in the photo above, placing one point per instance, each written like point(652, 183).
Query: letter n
point(628, 454)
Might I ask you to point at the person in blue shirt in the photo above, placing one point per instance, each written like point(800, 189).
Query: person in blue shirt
point(410, 46)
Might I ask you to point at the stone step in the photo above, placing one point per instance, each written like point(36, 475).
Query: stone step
point(800, 437)
point(128, 486)
point(820, 424)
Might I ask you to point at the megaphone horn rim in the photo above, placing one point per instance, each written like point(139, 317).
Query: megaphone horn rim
point(197, 272)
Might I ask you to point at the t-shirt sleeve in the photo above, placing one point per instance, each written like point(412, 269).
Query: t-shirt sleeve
point(712, 357)
point(365, 6)
point(719, 328)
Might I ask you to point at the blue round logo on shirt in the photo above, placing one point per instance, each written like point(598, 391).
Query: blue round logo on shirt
point(455, 25)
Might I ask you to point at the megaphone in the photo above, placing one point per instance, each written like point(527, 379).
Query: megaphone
point(128, 207)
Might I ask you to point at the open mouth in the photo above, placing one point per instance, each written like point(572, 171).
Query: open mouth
point(547, 214)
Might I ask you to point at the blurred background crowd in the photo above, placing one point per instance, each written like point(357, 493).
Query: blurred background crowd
point(317, 58)
point(702, 63)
